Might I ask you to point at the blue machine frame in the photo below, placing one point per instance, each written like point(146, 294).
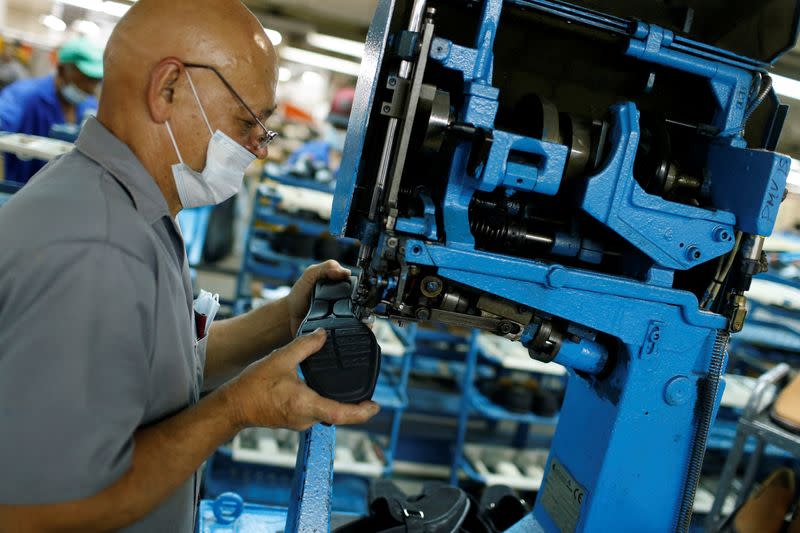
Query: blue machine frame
point(645, 359)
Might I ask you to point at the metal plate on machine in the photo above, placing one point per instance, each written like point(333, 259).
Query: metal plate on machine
point(366, 90)
point(758, 30)
point(562, 497)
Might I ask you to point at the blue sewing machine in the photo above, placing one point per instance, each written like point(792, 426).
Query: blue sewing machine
point(594, 181)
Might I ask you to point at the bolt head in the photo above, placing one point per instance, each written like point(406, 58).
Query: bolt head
point(677, 391)
point(722, 234)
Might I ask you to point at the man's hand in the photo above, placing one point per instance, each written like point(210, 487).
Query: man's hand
point(299, 299)
point(236, 342)
point(269, 393)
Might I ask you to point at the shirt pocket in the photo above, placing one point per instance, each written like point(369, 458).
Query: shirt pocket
point(204, 310)
point(200, 346)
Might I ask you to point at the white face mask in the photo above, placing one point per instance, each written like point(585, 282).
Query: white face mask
point(226, 161)
point(74, 95)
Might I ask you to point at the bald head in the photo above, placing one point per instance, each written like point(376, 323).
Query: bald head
point(147, 83)
point(222, 33)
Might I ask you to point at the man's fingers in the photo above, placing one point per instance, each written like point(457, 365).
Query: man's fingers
point(301, 348)
point(336, 413)
point(328, 270)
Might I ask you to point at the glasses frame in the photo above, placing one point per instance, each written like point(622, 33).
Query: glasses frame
point(269, 134)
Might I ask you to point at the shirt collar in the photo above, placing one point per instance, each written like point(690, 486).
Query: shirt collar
point(103, 147)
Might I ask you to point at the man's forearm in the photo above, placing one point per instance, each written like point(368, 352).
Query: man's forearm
point(236, 342)
point(164, 457)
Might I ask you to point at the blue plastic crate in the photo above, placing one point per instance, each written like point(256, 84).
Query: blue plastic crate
point(228, 513)
point(267, 485)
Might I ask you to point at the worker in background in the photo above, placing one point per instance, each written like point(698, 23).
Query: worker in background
point(34, 106)
point(103, 353)
point(326, 152)
point(11, 69)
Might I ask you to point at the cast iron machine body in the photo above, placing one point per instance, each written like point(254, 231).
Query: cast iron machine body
point(594, 181)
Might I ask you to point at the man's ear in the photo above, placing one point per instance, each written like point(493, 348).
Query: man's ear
point(161, 89)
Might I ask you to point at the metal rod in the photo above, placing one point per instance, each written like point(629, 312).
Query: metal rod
point(414, 24)
point(587, 356)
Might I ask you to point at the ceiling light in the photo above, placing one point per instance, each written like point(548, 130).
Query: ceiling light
point(53, 22)
point(336, 44)
point(115, 9)
point(86, 27)
point(274, 36)
point(94, 5)
point(322, 61)
point(312, 78)
point(786, 86)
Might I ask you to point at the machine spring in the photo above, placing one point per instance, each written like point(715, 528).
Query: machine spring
point(708, 398)
point(483, 229)
point(508, 234)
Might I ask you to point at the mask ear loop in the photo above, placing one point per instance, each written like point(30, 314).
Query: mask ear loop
point(199, 103)
point(174, 143)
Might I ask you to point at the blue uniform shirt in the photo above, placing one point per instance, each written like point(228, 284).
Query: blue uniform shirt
point(31, 106)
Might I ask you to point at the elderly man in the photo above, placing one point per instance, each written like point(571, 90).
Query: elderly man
point(34, 106)
point(101, 367)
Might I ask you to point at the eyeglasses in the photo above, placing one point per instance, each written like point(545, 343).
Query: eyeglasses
point(268, 135)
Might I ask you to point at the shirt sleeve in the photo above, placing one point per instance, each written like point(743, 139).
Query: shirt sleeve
point(75, 349)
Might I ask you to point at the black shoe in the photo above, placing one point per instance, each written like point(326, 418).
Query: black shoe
point(546, 403)
point(439, 509)
point(346, 368)
point(512, 395)
point(502, 507)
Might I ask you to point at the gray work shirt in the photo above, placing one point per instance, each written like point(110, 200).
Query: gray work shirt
point(96, 328)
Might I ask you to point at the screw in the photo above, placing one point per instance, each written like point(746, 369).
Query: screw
point(392, 82)
point(507, 327)
point(423, 313)
point(387, 109)
point(693, 253)
point(431, 286)
point(391, 242)
point(722, 235)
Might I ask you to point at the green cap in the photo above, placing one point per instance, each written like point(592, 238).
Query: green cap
point(84, 55)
